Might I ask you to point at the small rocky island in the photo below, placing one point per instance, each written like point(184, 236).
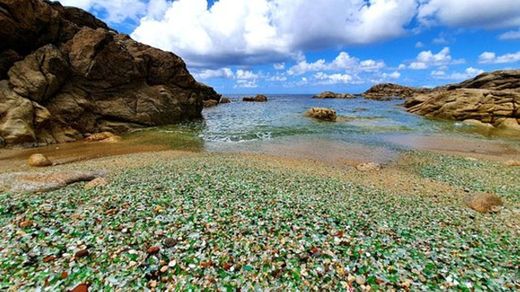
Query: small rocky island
point(330, 95)
point(65, 74)
point(257, 98)
point(388, 91)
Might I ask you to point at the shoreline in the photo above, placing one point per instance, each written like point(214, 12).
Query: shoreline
point(297, 147)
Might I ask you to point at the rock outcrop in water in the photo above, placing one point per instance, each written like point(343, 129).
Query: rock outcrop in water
point(387, 91)
point(490, 98)
point(330, 94)
point(258, 98)
point(321, 113)
point(64, 73)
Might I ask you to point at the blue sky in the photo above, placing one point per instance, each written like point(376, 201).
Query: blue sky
point(304, 46)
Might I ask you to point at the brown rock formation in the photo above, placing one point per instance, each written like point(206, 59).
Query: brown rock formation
point(39, 160)
point(225, 100)
point(321, 113)
point(258, 98)
point(330, 94)
point(387, 91)
point(492, 98)
point(497, 80)
point(64, 73)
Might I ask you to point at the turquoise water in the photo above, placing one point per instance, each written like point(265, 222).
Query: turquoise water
point(282, 118)
point(364, 121)
point(283, 115)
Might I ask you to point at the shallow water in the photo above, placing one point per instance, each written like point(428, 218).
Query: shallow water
point(366, 130)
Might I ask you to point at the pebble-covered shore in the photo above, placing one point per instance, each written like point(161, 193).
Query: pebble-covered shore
point(227, 221)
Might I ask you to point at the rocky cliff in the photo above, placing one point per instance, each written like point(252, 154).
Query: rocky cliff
point(64, 74)
point(490, 99)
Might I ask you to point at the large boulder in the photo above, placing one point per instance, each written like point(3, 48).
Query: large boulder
point(64, 73)
point(330, 94)
point(490, 98)
point(321, 113)
point(387, 91)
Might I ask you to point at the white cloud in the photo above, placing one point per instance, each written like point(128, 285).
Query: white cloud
point(470, 72)
point(510, 35)
point(238, 32)
point(419, 45)
point(393, 75)
point(324, 78)
point(279, 66)
point(303, 67)
point(277, 77)
point(342, 62)
point(426, 59)
point(118, 11)
point(418, 66)
point(492, 58)
point(470, 13)
point(371, 65)
point(214, 73)
point(246, 84)
point(440, 40)
point(246, 74)
point(227, 73)
point(256, 31)
point(438, 73)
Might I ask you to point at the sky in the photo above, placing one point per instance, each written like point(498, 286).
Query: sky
point(308, 46)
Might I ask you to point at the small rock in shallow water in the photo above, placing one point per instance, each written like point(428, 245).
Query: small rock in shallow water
point(369, 166)
point(104, 137)
point(39, 160)
point(321, 113)
point(484, 202)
